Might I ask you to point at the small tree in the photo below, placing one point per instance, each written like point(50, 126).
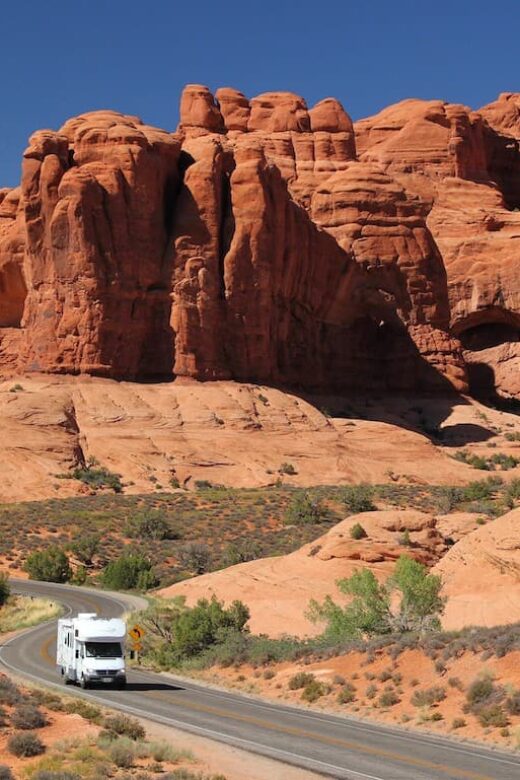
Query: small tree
point(131, 571)
point(372, 610)
point(5, 590)
point(420, 604)
point(51, 565)
point(367, 614)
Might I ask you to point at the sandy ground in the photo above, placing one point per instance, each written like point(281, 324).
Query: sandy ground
point(229, 433)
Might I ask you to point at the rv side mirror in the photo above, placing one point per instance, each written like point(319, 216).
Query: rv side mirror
point(77, 653)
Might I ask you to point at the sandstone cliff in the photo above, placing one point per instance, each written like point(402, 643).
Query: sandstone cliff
point(270, 242)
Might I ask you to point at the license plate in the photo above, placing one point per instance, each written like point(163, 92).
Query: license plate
point(107, 679)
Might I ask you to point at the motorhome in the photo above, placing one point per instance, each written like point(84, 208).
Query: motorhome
point(91, 650)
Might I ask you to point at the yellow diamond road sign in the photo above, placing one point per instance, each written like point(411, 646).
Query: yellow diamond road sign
point(136, 633)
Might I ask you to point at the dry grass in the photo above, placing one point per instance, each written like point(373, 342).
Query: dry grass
point(25, 611)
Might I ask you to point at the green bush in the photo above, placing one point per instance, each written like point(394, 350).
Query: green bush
point(28, 717)
point(300, 680)
point(305, 510)
point(98, 478)
point(5, 590)
point(25, 745)
point(358, 532)
point(122, 725)
point(359, 498)
point(131, 571)
point(51, 565)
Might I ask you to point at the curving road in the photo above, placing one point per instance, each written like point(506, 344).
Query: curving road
point(332, 746)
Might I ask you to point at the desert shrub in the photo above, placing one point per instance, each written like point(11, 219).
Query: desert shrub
point(85, 547)
point(303, 509)
point(122, 754)
point(59, 774)
point(513, 703)
point(493, 715)
point(287, 468)
point(358, 498)
point(458, 723)
point(428, 696)
point(51, 565)
point(10, 694)
point(300, 680)
point(313, 691)
point(150, 524)
point(5, 773)
point(448, 498)
point(28, 717)
point(456, 682)
point(195, 557)
point(480, 690)
point(85, 709)
point(371, 691)
point(405, 539)
point(388, 698)
point(5, 590)
point(124, 726)
point(358, 532)
point(131, 571)
point(163, 751)
point(347, 694)
point(240, 552)
point(25, 745)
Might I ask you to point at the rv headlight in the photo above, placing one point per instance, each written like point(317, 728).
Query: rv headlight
point(120, 671)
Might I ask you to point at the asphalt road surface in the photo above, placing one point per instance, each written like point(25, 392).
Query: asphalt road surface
point(332, 746)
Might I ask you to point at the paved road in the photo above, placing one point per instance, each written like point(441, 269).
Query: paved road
point(333, 746)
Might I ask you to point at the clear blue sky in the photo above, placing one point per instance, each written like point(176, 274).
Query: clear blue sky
point(60, 58)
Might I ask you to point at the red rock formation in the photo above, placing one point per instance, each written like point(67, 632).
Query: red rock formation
point(465, 166)
point(257, 243)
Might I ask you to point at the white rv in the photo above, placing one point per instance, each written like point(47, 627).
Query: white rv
point(91, 650)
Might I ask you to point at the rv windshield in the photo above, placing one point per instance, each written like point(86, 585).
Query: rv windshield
point(103, 650)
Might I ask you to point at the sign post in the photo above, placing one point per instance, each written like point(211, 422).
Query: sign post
point(136, 634)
